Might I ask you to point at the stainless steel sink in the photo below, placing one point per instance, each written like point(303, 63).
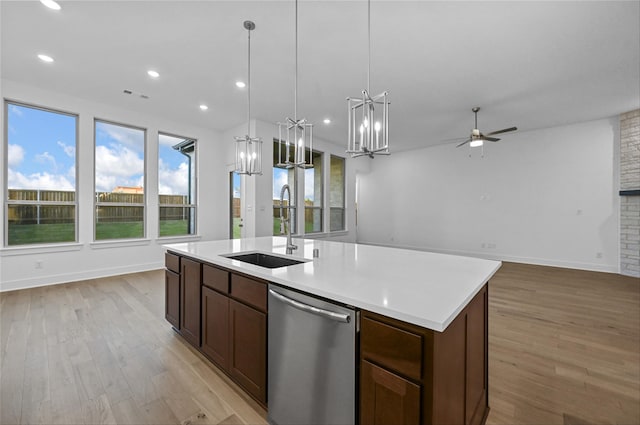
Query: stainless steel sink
point(264, 260)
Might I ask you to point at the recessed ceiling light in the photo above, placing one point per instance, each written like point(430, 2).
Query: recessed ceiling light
point(204, 107)
point(240, 84)
point(45, 58)
point(327, 121)
point(51, 4)
point(153, 74)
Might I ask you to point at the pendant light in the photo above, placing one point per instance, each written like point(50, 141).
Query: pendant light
point(249, 149)
point(295, 135)
point(369, 116)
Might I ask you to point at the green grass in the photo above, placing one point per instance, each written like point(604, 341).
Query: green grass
point(28, 234)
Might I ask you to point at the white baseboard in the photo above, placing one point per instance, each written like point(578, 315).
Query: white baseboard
point(510, 258)
point(78, 276)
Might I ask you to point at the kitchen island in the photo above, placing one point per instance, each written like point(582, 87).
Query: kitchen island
point(422, 341)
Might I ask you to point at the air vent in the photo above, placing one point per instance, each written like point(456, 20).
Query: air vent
point(143, 96)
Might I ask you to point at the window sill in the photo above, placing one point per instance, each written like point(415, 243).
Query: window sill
point(39, 249)
point(321, 235)
point(118, 243)
point(177, 239)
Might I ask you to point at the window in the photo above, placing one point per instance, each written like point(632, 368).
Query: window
point(282, 176)
point(313, 195)
point(336, 194)
point(119, 181)
point(41, 205)
point(176, 185)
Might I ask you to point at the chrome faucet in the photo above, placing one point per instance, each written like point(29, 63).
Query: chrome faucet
point(285, 224)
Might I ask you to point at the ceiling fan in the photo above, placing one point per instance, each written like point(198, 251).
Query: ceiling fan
point(476, 138)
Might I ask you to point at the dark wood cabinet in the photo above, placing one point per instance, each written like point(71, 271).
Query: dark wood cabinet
point(191, 280)
point(387, 398)
point(172, 298)
point(446, 371)
point(248, 344)
point(215, 326)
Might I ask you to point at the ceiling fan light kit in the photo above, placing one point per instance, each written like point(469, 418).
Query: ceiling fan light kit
point(368, 130)
point(477, 139)
point(248, 149)
point(294, 133)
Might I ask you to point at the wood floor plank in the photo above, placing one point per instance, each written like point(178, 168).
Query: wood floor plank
point(564, 348)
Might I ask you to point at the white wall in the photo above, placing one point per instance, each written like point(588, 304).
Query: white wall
point(87, 259)
point(543, 197)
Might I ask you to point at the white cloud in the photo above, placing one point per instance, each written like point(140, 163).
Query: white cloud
point(173, 181)
point(281, 178)
point(15, 110)
point(117, 166)
point(42, 181)
point(133, 138)
point(170, 141)
point(15, 156)
point(45, 158)
point(70, 151)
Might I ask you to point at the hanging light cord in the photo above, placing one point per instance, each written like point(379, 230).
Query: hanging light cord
point(249, 85)
point(369, 46)
point(295, 88)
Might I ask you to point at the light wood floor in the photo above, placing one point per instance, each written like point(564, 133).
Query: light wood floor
point(564, 348)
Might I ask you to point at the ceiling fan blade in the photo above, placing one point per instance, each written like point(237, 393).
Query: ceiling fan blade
point(454, 139)
point(504, 130)
point(490, 139)
point(463, 143)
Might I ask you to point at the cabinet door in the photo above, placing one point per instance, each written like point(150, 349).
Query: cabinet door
point(172, 298)
point(476, 356)
point(386, 398)
point(248, 344)
point(190, 304)
point(215, 326)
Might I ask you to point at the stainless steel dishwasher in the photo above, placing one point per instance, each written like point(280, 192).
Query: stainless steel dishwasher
point(312, 360)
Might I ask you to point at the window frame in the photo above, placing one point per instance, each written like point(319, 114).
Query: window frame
point(142, 205)
point(7, 202)
point(192, 205)
point(343, 208)
point(293, 199)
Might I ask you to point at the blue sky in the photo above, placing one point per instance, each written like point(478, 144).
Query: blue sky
point(41, 154)
point(41, 150)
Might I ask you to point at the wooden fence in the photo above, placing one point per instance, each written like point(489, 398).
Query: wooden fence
point(51, 213)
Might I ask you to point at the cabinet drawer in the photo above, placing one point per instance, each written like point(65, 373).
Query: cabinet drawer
point(391, 347)
point(172, 262)
point(249, 291)
point(215, 278)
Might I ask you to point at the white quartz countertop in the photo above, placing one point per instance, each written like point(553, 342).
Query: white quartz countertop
point(423, 288)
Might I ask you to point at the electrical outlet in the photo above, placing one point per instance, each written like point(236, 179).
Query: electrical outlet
point(598, 255)
point(39, 264)
point(483, 245)
point(491, 246)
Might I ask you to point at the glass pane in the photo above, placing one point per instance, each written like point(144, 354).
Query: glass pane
point(312, 220)
point(119, 222)
point(176, 183)
point(337, 219)
point(313, 182)
point(41, 166)
point(277, 221)
point(31, 224)
point(236, 206)
point(176, 221)
point(282, 176)
point(336, 182)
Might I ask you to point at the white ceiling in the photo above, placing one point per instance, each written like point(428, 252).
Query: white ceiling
point(529, 64)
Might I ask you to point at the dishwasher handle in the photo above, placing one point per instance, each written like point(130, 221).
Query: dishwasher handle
point(339, 317)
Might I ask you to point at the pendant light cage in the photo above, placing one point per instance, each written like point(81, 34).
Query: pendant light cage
point(369, 116)
point(368, 125)
point(248, 149)
point(295, 140)
point(295, 136)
